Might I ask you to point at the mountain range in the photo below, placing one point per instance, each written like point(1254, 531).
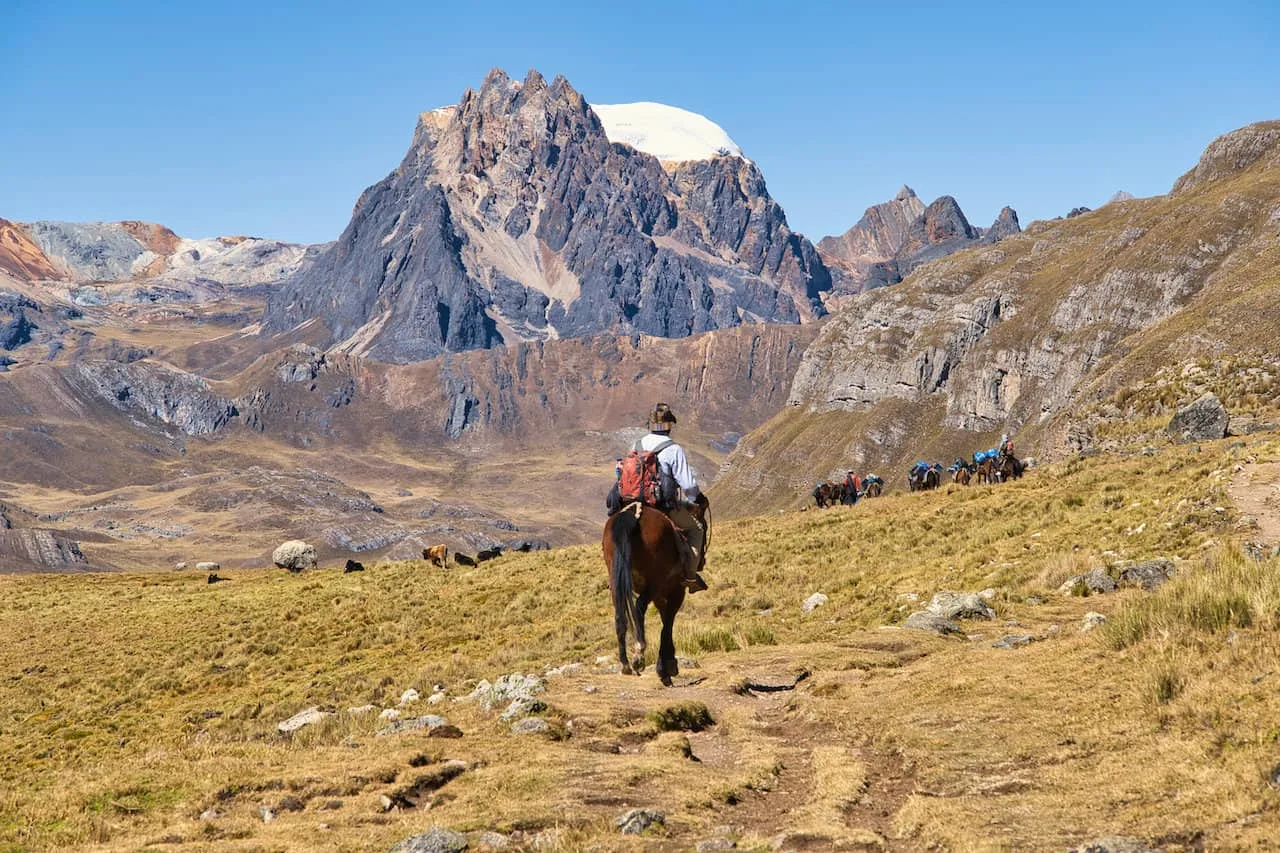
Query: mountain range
point(466, 359)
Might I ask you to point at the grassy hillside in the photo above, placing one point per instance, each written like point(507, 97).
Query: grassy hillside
point(140, 711)
point(1087, 307)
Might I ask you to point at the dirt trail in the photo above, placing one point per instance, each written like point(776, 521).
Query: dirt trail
point(1255, 489)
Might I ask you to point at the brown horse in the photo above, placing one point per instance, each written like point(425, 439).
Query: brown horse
point(962, 475)
point(1008, 467)
point(641, 551)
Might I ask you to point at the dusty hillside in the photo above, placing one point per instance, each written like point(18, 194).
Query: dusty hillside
point(1022, 335)
point(175, 441)
point(144, 709)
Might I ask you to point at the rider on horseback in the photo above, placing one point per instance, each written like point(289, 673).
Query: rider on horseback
point(674, 464)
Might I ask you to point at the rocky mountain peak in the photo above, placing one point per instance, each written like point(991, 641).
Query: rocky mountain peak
point(1232, 153)
point(1006, 225)
point(514, 217)
point(894, 237)
point(943, 220)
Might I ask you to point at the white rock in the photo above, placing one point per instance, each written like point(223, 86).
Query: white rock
point(389, 714)
point(294, 555)
point(362, 709)
point(813, 602)
point(302, 718)
point(1091, 620)
point(435, 698)
point(409, 697)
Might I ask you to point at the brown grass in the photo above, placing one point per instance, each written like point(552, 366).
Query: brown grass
point(133, 703)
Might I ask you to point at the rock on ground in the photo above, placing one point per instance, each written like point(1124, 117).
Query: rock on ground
point(435, 840)
point(302, 718)
point(1092, 620)
point(960, 605)
point(1203, 420)
point(1095, 582)
point(294, 555)
point(637, 821)
point(1149, 574)
point(436, 726)
point(813, 602)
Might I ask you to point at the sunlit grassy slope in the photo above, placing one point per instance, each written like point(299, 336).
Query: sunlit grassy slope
point(132, 704)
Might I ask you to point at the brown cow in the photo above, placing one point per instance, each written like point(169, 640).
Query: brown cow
point(436, 554)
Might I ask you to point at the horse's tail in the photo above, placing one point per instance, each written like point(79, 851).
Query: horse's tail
point(626, 525)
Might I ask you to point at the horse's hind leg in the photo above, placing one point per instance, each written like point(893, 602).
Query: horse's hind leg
point(667, 666)
point(641, 607)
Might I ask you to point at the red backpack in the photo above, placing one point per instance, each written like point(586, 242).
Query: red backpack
point(641, 478)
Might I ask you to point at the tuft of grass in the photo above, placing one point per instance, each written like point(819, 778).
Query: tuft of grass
point(1228, 590)
point(712, 639)
point(683, 717)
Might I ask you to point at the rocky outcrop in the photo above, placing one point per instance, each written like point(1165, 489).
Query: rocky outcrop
point(514, 218)
point(1233, 153)
point(896, 237)
point(162, 393)
point(35, 550)
point(15, 326)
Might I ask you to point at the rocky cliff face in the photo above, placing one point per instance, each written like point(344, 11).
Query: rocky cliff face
point(513, 217)
point(896, 237)
point(1017, 336)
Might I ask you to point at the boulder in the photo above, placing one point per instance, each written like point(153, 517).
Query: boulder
point(1095, 582)
point(924, 621)
point(530, 726)
point(207, 566)
point(508, 689)
point(1204, 420)
point(813, 602)
point(435, 727)
point(1092, 620)
point(1148, 574)
point(294, 555)
point(960, 605)
point(303, 718)
point(1013, 641)
point(437, 839)
point(637, 821)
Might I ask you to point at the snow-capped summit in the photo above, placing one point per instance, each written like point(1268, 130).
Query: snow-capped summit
point(668, 133)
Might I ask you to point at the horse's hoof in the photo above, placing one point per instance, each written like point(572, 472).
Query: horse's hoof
point(626, 669)
point(637, 665)
point(666, 680)
point(670, 667)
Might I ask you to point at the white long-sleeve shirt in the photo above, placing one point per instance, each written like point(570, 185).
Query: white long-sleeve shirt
point(673, 460)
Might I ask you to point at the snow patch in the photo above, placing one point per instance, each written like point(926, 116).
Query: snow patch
point(668, 133)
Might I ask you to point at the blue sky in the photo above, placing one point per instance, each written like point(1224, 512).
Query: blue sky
point(270, 118)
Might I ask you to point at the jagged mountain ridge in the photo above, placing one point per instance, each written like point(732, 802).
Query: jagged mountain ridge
point(895, 237)
point(514, 217)
point(1020, 335)
point(99, 253)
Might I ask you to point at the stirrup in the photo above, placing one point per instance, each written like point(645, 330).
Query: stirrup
point(695, 584)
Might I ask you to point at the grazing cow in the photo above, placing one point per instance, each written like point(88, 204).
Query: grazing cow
point(463, 559)
point(213, 578)
point(437, 554)
point(488, 554)
point(353, 566)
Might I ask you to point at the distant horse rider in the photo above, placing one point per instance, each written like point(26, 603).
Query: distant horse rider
point(673, 471)
point(852, 485)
